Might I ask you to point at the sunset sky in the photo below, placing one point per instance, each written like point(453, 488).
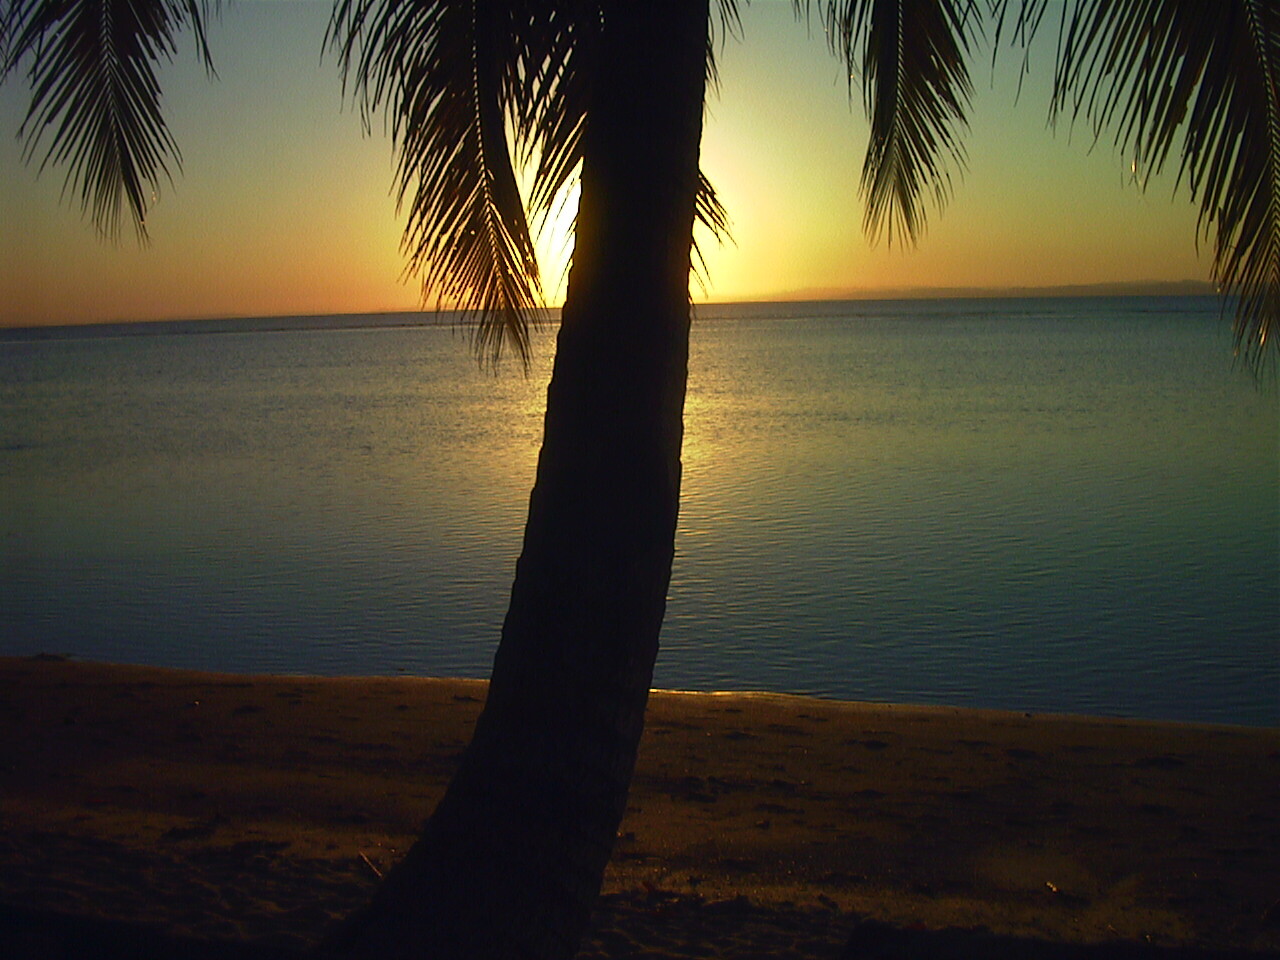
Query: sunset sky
point(284, 204)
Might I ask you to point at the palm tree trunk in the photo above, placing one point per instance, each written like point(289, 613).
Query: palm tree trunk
point(511, 861)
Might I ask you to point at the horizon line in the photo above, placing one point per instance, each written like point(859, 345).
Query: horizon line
point(1138, 288)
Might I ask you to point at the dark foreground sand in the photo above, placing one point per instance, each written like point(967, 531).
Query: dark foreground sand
point(259, 809)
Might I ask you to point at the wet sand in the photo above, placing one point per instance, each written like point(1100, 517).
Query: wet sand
point(256, 810)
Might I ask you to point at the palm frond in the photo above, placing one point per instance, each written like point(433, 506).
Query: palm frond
point(911, 55)
point(8, 13)
point(710, 212)
point(1202, 72)
point(726, 24)
point(555, 97)
point(95, 100)
point(447, 73)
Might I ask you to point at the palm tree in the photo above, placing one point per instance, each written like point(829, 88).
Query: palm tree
point(511, 860)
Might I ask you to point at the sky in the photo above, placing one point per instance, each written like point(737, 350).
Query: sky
point(284, 204)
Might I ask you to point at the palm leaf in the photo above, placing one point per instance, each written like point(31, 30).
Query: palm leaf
point(8, 14)
point(707, 209)
point(911, 55)
point(555, 99)
point(729, 23)
point(711, 213)
point(1203, 73)
point(95, 105)
point(445, 71)
point(470, 88)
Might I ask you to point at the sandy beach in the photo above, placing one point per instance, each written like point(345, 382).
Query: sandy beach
point(255, 810)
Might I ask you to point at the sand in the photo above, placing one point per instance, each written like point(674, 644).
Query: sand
point(254, 810)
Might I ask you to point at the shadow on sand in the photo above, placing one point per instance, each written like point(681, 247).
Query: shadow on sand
point(48, 935)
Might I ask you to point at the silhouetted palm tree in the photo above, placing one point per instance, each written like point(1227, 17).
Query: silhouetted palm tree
point(511, 860)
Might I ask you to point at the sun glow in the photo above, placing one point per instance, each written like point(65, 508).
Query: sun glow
point(553, 235)
point(284, 204)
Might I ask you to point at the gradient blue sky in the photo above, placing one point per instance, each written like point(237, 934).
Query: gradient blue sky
point(284, 204)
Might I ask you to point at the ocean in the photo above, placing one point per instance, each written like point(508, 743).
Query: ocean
point(1044, 505)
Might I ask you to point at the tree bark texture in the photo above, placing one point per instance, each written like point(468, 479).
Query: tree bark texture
point(510, 863)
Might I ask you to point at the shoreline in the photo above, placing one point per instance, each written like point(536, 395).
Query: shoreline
point(260, 808)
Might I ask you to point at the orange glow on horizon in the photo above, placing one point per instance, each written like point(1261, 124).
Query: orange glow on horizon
point(284, 206)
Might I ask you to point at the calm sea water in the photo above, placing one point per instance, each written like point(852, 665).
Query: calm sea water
point(1042, 505)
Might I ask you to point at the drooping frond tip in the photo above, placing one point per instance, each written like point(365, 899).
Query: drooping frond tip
point(95, 100)
point(911, 56)
point(710, 212)
point(1202, 74)
point(1247, 239)
point(454, 79)
point(470, 90)
point(725, 24)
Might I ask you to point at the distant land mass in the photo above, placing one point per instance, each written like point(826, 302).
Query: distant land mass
point(418, 318)
point(255, 323)
point(1124, 288)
